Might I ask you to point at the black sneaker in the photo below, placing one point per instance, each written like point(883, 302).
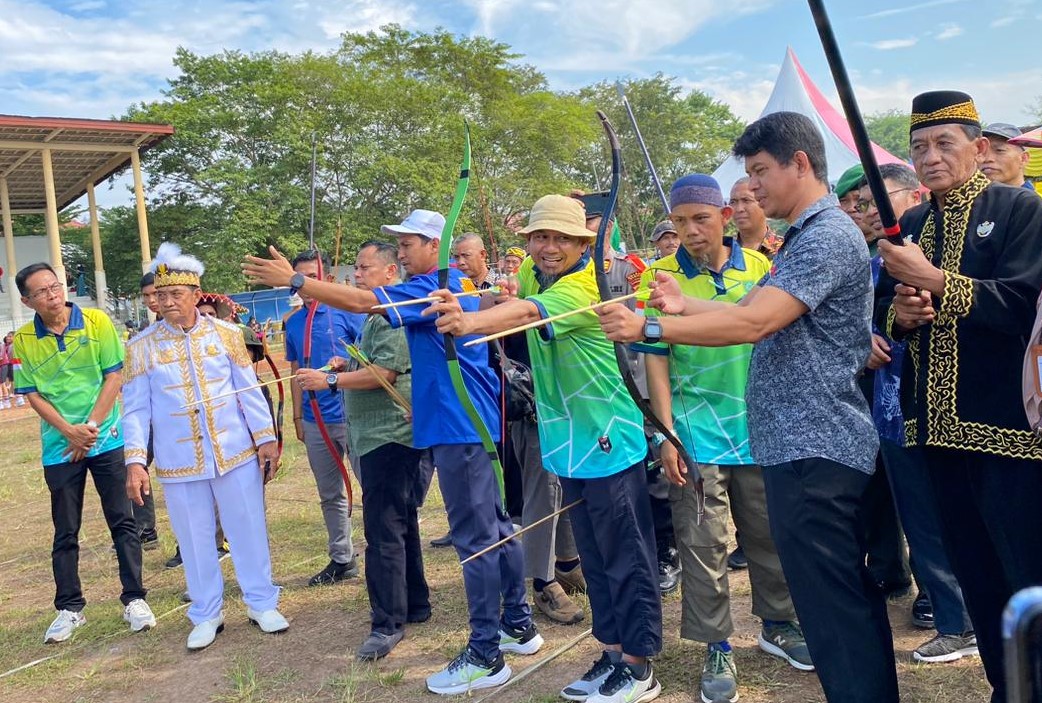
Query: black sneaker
point(418, 616)
point(334, 572)
point(922, 612)
point(526, 641)
point(150, 541)
point(668, 571)
point(174, 561)
point(736, 560)
point(445, 541)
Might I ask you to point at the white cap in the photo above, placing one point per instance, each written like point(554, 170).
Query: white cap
point(426, 223)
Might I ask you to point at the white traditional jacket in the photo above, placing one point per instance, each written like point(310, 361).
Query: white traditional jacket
point(167, 368)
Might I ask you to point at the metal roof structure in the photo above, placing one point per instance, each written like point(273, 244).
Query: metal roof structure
point(83, 152)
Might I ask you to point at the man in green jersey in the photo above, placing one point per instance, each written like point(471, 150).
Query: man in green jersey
point(70, 363)
point(703, 388)
point(592, 437)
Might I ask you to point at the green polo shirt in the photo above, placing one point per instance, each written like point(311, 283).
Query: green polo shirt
point(68, 370)
point(708, 383)
point(589, 426)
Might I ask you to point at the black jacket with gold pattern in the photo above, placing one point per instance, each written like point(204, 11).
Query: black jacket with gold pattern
point(961, 384)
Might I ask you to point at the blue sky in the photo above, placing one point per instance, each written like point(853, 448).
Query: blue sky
point(92, 58)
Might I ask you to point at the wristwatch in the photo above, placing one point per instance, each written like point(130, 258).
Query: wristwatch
point(331, 381)
point(657, 439)
point(296, 282)
point(652, 330)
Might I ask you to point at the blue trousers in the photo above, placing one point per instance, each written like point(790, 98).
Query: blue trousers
point(477, 520)
point(814, 507)
point(616, 539)
point(917, 509)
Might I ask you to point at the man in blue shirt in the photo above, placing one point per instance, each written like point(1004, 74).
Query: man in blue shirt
point(477, 518)
point(809, 424)
point(331, 329)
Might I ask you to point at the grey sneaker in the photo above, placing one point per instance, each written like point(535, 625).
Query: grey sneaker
point(719, 677)
point(785, 640)
point(947, 648)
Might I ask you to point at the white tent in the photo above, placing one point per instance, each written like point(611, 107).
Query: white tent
point(794, 91)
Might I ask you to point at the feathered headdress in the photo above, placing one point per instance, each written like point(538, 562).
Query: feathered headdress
point(172, 268)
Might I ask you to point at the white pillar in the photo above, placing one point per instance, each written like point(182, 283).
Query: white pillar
point(95, 239)
point(51, 217)
point(12, 264)
point(142, 216)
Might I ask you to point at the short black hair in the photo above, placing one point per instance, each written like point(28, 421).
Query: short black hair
point(149, 279)
point(310, 255)
point(23, 275)
point(782, 134)
point(387, 253)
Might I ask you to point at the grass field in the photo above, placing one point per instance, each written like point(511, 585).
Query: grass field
point(314, 660)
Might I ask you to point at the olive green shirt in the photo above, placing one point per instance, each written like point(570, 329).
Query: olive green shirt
point(374, 418)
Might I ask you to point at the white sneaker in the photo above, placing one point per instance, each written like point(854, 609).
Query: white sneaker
point(270, 621)
point(139, 615)
point(63, 625)
point(203, 634)
point(20, 401)
point(622, 686)
point(587, 685)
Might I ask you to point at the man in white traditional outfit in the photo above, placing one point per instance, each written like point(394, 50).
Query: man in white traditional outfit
point(183, 374)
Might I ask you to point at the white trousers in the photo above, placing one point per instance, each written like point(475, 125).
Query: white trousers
point(240, 499)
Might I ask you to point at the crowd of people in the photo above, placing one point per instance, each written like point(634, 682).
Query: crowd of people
point(851, 401)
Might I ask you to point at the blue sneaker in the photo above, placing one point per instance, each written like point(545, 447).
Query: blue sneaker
point(468, 672)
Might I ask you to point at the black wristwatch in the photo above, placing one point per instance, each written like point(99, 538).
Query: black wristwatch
point(331, 381)
point(652, 330)
point(296, 282)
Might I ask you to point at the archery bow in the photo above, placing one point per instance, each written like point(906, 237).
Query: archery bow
point(451, 357)
point(309, 322)
point(643, 148)
point(604, 289)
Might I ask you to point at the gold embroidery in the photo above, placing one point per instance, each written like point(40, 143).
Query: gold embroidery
point(134, 454)
point(944, 428)
point(962, 111)
point(958, 295)
point(168, 277)
point(888, 326)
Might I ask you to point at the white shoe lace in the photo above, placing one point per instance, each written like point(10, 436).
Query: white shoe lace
point(138, 609)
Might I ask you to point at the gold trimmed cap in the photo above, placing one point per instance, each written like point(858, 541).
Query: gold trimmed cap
point(172, 268)
point(939, 107)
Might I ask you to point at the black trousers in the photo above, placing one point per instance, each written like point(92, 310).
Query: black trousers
point(393, 562)
point(66, 483)
point(991, 525)
point(814, 507)
point(884, 539)
point(616, 540)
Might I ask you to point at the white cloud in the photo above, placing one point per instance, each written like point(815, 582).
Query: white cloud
point(890, 44)
point(908, 8)
point(949, 31)
point(1003, 21)
point(87, 5)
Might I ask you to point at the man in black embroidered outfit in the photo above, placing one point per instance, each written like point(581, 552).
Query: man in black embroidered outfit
point(962, 293)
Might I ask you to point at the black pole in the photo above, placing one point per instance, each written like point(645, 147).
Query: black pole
point(857, 125)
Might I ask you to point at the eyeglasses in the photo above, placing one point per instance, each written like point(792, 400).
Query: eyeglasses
point(864, 205)
point(54, 289)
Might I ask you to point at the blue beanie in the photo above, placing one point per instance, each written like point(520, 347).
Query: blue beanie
point(696, 188)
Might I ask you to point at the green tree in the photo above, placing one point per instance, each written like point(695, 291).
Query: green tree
point(890, 130)
point(684, 134)
point(386, 111)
